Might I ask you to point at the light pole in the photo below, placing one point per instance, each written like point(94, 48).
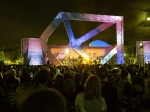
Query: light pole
point(148, 18)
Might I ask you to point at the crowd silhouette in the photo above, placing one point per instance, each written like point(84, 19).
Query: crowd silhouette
point(75, 88)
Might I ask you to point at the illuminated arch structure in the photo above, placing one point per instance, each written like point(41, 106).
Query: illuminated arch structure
point(76, 43)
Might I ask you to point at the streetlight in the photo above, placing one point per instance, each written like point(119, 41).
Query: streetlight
point(145, 22)
point(141, 45)
point(148, 18)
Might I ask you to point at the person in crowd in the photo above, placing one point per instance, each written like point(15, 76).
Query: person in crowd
point(127, 103)
point(22, 92)
point(147, 101)
point(141, 72)
point(42, 78)
point(85, 75)
point(48, 100)
point(24, 78)
point(58, 84)
point(11, 86)
point(91, 100)
point(148, 86)
point(78, 87)
point(109, 91)
point(49, 81)
point(140, 95)
point(5, 104)
point(57, 73)
point(111, 78)
point(121, 84)
point(69, 92)
point(67, 76)
point(135, 71)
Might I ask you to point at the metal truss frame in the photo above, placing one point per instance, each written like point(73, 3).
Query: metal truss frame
point(107, 20)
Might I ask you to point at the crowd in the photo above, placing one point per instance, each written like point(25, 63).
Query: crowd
point(80, 88)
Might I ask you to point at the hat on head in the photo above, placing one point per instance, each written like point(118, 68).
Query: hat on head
point(69, 84)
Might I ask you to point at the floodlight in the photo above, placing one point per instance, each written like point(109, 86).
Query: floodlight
point(148, 18)
point(66, 51)
point(141, 44)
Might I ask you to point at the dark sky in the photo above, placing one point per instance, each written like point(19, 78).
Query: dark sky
point(29, 18)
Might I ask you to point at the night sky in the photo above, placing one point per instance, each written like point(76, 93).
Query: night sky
point(29, 18)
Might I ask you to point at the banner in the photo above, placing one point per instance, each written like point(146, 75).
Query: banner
point(35, 54)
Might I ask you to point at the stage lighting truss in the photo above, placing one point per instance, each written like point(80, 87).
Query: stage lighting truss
point(75, 44)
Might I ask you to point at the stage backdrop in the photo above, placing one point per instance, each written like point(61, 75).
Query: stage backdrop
point(32, 51)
